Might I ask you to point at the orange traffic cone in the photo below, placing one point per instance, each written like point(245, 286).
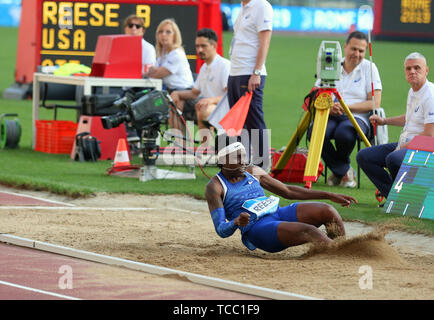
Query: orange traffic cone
point(122, 160)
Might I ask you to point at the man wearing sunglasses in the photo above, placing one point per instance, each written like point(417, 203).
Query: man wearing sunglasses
point(135, 26)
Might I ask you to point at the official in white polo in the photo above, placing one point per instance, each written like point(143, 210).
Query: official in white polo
point(417, 120)
point(356, 91)
point(248, 52)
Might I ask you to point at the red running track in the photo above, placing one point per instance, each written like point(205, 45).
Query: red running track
point(51, 273)
point(30, 274)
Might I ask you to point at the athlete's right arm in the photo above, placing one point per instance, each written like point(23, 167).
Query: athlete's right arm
point(213, 193)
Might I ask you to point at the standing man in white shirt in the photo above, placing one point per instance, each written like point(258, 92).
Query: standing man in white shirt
point(356, 91)
point(248, 52)
point(209, 87)
point(418, 120)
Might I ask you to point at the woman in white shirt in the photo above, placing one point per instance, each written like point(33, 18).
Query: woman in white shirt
point(172, 65)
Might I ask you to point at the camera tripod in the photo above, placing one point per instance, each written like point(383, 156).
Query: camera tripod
point(150, 152)
point(320, 108)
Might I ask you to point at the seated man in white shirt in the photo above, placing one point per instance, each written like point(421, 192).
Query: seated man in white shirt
point(418, 120)
point(209, 86)
point(356, 91)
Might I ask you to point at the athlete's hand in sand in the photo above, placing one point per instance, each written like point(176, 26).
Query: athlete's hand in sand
point(242, 220)
point(342, 199)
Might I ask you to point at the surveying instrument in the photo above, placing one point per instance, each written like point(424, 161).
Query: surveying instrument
point(328, 71)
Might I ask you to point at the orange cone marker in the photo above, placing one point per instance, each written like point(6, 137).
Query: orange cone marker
point(122, 160)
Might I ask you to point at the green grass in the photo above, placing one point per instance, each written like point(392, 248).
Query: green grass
point(291, 67)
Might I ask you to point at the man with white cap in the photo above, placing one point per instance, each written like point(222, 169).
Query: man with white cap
point(236, 200)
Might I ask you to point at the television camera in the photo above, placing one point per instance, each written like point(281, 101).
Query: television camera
point(145, 111)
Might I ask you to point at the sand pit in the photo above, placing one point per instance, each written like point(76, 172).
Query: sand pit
point(176, 232)
point(372, 245)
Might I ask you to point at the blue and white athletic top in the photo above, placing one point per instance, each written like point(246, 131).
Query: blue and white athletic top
point(250, 193)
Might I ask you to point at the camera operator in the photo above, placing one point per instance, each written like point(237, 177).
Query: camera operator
point(356, 91)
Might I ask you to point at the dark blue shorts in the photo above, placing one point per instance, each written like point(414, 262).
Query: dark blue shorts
point(263, 234)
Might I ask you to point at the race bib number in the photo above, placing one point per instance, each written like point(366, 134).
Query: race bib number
point(261, 206)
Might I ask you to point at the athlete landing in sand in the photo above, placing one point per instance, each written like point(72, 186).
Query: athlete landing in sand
point(236, 200)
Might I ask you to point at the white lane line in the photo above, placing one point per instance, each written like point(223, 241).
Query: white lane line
point(38, 291)
point(152, 269)
point(38, 198)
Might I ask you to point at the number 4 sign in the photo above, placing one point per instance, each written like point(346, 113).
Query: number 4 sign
point(412, 193)
point(398, 185)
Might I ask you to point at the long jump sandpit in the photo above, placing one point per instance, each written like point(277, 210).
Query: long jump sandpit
point(176, 232)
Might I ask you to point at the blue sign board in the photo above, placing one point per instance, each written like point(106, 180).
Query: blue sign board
point(307, 19)
point(298, 19)
point(10, 11)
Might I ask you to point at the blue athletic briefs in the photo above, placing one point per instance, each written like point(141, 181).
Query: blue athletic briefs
point(263, 234)
point(260, 234)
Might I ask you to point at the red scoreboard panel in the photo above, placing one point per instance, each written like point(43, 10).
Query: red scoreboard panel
point(409, 20)
point(55, 32)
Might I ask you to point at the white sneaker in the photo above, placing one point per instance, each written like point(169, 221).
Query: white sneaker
point(333, 181)
point(349, 179)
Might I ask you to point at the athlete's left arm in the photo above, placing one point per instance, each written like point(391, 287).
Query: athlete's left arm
point(295, 192)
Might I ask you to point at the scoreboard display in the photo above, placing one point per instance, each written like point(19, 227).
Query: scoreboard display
point(69, 30)
point(404, 20)
point(412, 192)
point(54, 32)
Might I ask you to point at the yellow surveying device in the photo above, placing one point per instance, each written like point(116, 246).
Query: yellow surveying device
point(328, 71)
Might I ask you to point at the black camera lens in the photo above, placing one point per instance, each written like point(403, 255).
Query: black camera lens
point(328, 59)
point(113, 121)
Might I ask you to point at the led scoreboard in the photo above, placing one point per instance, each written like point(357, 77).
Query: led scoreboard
point(69, 30)
point(53, 32)
point(404, 20)
point(412, 192)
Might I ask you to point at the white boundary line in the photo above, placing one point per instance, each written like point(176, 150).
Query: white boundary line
point(37, 198)
point(94, 209)
point(195, 278)
point(74, 208)
point(38, 291)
